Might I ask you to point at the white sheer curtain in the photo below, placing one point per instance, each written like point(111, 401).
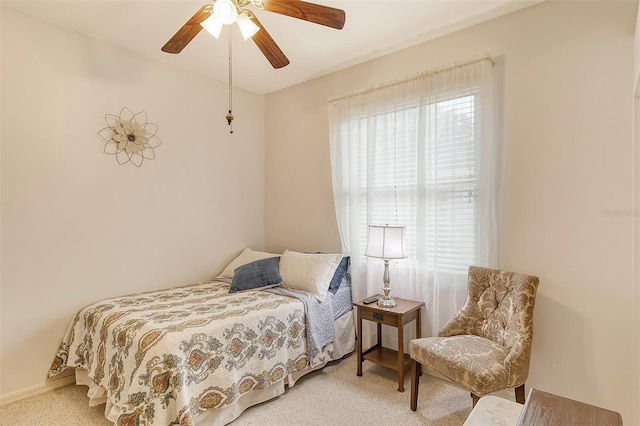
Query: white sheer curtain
point(421, 153)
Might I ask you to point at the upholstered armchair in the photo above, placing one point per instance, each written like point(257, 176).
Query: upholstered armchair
point(486, 347)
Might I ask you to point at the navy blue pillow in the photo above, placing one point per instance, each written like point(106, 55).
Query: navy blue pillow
point(341, 271)
point(260, 274)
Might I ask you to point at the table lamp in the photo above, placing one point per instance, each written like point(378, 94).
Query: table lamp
point(386, 242)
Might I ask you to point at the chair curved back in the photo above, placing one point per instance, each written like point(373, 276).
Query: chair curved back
point(499, 307)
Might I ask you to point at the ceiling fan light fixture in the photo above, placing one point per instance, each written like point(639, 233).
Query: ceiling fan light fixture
point(225, 11)
point(212, 25)
point(247, 27)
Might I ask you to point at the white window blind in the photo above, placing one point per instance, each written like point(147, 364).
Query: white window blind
point(389, 177)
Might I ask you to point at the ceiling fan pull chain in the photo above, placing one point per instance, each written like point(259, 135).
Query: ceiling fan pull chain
point(229, 116)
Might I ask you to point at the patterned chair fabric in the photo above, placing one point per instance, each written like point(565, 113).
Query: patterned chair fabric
point(486, 346)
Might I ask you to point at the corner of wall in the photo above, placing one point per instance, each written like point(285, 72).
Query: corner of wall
point(636, 227)
point(636, 59)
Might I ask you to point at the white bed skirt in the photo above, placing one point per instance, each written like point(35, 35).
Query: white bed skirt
point(344, 344)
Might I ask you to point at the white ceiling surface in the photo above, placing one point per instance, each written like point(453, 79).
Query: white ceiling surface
point(372, 29)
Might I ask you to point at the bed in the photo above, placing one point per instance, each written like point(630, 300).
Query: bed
point(203, 353)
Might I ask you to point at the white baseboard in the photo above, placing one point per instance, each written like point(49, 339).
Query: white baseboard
point(63, 379)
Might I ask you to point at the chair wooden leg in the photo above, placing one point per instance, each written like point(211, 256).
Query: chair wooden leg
point(520, 394)
point(475, 399)
point(415, 382)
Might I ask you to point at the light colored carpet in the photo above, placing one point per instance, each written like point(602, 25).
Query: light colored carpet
point(331, 396)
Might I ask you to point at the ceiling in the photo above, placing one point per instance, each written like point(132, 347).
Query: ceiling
point(372, 29)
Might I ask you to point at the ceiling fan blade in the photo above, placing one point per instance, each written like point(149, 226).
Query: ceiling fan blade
point(188, 31)
point(268, 46)
point(316, 13)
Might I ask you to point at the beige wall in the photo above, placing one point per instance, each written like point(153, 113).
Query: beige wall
point(635, 330)
point(636, 251)
point(299, 208)
point(567, 175)
point(76, 226)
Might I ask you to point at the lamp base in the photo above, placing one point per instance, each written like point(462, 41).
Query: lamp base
point(387, 302)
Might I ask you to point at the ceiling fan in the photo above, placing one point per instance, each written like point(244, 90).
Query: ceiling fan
point(225, 12)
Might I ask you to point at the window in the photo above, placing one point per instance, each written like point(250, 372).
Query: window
point(445, 192)
point(421, 153)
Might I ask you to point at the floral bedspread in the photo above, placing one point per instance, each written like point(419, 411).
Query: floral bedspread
point(165, 356)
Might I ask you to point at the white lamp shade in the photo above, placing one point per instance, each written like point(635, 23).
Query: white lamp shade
point(212, 25)
point(386, 242)
point(225, 11)
point(247, 27)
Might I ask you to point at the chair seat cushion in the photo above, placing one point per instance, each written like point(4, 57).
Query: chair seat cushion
point(475, 363)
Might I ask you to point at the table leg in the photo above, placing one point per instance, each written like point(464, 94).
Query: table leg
point(418, 336)
point(400, 356)
point(359, 352)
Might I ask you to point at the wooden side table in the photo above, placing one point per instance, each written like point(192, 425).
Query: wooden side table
point(405, 312)
point(543, 408)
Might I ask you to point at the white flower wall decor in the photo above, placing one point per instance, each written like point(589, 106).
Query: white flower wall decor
point(130, 137)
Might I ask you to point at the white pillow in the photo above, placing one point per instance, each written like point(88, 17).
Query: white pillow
point(309, 272)
point(247, 256)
